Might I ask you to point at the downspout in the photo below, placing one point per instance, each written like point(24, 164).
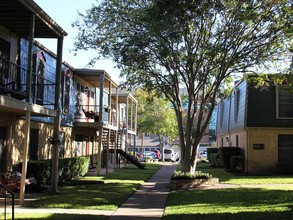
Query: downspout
point(57, 121)
point(28, 113)
point(99, 156)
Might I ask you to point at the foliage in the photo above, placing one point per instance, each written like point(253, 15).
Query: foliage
point(225, 154)
point(211, 150)
point(197, 175)
point(68, 169)
point(237, 163)
point(214, 159)
point(155, 114)
point(164, 45)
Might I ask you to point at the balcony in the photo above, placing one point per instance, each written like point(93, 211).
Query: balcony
point(13, 84)
point(90, 113)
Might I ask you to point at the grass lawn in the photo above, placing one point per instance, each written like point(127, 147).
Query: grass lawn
point(96, 193)
point(233, 203)
point(56, 216)
point(101, 193)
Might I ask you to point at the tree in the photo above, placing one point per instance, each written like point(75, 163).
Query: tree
point(155, 115)
point(167, 44)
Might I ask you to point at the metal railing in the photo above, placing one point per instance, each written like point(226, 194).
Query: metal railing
point(5, 194)
point(92, 112)
point(13, 83)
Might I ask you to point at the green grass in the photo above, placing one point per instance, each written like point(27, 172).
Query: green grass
point(225, 177)
point(99, 193)
point(240, 203)
point(56, 216)
point(269, 202)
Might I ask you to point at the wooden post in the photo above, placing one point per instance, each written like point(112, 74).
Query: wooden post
point(27, 114)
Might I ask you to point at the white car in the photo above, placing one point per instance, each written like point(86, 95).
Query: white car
point(171, 155)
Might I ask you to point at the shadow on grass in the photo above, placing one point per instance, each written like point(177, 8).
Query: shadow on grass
point(60, 217)
point(239, 203)
point(101, 193)
point(285, 215)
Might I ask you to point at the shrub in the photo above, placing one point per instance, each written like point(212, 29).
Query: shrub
point(186, 175)
point(68, 169)
point(211, 150)
point(237, 163)
point(225, 153)
point(213, 159)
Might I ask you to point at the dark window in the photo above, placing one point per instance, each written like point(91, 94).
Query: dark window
point(33, 145)
point(285, 148)
point(38, 78)
point(285, 104)
point(236, 104)
point(3, 156)
point(66, 90)
point(221, 113)
point(4, 58)
point(237, 141)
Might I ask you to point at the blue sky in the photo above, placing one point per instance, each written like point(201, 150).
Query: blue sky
point(64, 13)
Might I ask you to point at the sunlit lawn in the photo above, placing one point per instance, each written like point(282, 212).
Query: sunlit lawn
point(100, 193)
point(268, 203)
point(48, 216)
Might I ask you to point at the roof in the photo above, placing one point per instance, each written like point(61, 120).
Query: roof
point(93, 76)
point(15, 15)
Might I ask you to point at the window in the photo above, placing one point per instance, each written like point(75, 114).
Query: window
point(38, 78)
point(236, 104)
point(221, 113)
point(4, 58)
point(285, 149)
point(237, 141)
point(284, 103)
point(66, 90)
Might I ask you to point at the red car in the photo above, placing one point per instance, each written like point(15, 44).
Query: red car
point(157, 153)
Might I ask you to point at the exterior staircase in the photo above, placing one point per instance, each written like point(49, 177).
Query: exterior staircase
point(110, 144)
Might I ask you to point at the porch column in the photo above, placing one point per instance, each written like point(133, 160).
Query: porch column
point(99, 159)
point(28, 113)
point(57, 120)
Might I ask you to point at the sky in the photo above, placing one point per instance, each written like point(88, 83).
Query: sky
point(64, 12)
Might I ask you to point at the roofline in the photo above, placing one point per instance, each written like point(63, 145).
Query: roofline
point(38, 11)
point(107, 75)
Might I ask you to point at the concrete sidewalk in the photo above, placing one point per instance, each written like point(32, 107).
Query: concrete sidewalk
point(148, 202)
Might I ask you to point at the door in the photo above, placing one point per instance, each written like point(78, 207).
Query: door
point(33, 145)
point(3, 156)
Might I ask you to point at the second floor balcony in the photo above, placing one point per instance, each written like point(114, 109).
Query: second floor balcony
point(13, 83)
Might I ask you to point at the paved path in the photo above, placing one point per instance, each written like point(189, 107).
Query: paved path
point(148, 202)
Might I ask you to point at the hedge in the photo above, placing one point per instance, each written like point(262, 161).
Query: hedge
point(69, 168)
point(225, 154)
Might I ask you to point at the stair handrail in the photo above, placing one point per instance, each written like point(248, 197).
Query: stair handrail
point(5, 201)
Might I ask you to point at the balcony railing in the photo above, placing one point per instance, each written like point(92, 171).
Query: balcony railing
point(91, 112)
point(13, 83)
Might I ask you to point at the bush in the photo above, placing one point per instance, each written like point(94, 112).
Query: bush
point(237, 163)
point(214, 158)
point(225, 154)
point(211, 150)
point(197, 175)
point(68, 169)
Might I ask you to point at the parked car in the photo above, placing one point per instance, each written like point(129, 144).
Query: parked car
point(171, 155)
point(149, 154)
point(158, 154)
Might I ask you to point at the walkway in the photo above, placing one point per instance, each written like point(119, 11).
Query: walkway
point(148, 202)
